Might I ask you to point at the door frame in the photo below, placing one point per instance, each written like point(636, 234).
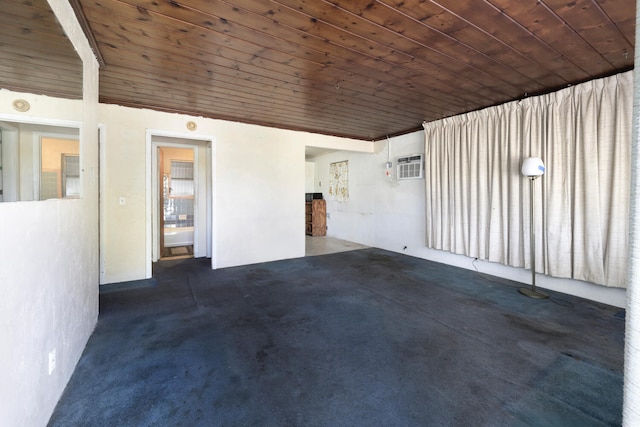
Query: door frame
point(102, 192)
point(202, 145)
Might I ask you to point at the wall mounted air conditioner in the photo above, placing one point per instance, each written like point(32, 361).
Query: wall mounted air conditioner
point(410, 167)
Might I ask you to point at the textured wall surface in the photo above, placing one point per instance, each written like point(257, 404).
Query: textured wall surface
point(49, 262)
point(258, 179)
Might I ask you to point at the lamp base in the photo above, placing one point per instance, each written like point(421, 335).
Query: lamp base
point(533, 294)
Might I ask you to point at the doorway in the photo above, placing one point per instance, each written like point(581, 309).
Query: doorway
point(180, 197)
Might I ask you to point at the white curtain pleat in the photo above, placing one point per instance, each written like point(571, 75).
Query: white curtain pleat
point(631, 399)
point(478, 203)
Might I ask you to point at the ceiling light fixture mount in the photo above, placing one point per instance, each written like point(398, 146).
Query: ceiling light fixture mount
point(21, 105)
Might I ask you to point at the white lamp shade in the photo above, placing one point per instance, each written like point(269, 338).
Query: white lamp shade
point(532, 166)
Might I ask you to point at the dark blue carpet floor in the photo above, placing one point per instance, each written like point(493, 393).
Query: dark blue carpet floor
point(363, 338)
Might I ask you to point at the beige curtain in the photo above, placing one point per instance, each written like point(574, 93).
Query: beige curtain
point(477, 202)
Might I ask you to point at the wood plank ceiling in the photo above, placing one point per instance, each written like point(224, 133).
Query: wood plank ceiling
point(357, 68)
point(35, 54)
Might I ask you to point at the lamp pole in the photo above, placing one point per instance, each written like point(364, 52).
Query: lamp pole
point(526, 170)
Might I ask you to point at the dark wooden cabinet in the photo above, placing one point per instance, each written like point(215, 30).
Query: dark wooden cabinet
point(316, 217)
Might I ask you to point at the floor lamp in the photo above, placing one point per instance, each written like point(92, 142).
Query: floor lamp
point(532, 168)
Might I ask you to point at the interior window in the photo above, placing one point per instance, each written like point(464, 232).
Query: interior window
point(39, 162)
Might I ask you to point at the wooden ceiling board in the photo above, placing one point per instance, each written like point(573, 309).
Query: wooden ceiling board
point(225, 95)
point(363, 69)
point(264, 82)
point(229, 58)
point(589, 20)
point(35, 54)
point(505, 41)
point(563, 42)
point(622, 14)
point(425, 61)
point(148, 57)
point(269, 83)
point(338, 65)
point(430, 43)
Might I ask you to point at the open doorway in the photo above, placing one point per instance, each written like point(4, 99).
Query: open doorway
point(180, 197)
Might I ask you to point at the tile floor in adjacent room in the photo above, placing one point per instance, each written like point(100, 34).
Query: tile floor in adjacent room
point(324, 245)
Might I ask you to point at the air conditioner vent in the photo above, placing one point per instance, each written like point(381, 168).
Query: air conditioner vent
point(410, 167)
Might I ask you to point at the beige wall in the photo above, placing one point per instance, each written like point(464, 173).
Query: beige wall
point(52, 148)
point(170, 153)
point(258, 188)
point(49, 263)
point(309, 177)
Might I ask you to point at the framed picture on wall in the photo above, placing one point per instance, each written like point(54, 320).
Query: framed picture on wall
point(339, 181)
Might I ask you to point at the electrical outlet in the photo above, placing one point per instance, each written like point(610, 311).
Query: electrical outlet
point(52, 361)
point(123, 201)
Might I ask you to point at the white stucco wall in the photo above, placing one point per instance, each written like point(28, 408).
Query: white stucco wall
point(309, 178)
point(49, 262)
point(259, 184)
point(391, 216)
